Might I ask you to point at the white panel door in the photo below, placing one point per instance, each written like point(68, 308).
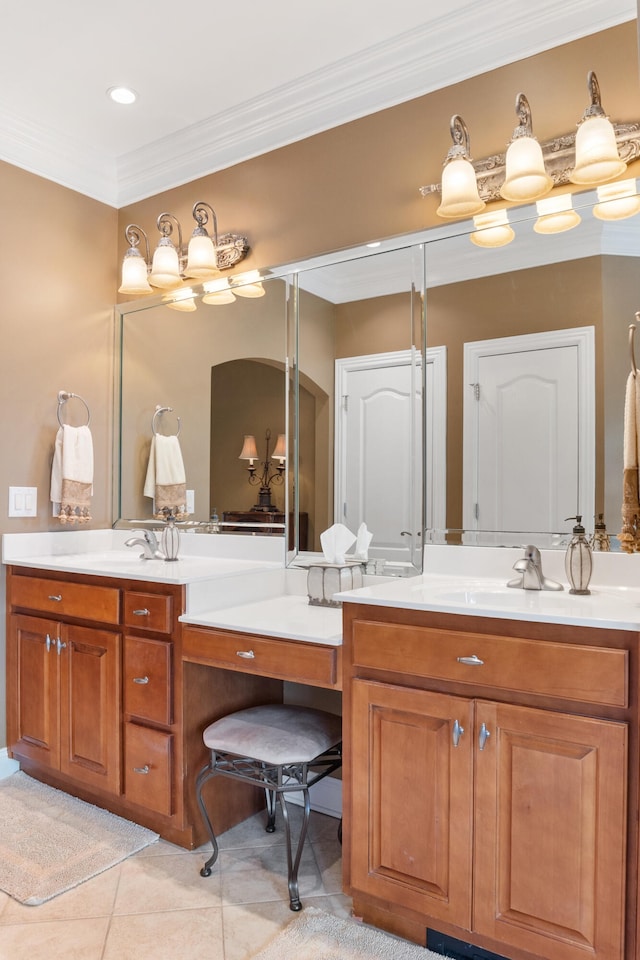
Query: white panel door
point(528, 454)
point(378, 450)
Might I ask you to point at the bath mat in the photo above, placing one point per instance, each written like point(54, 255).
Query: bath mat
point(51, 842)
point(316, 935)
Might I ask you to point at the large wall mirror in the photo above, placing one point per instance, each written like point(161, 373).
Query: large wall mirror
point(419, 385)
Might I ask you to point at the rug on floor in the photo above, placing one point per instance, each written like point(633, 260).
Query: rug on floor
point(51, 841)
point(316, 935)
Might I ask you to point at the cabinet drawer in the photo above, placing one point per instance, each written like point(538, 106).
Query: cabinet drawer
point(148, 756)
point(284, 659)
point(62, 599)
point(549, 668)
point(151, 611)
point(147, 679)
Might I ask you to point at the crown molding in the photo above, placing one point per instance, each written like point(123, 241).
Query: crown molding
point(447, 50)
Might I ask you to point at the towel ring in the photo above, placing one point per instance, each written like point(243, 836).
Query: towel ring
point(159, 411)
point(632, 353)
point(63, 396)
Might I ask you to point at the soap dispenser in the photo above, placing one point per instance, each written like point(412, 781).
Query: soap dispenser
point(578, 561)
point(600, 539)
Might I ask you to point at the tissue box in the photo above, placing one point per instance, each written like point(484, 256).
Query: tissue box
point(326, 579)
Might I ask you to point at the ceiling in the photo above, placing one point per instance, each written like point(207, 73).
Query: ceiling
point(218, 84)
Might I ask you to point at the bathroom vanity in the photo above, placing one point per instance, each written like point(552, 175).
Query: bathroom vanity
point(491, 776)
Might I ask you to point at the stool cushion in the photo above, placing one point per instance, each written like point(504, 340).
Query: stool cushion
point(275, 733)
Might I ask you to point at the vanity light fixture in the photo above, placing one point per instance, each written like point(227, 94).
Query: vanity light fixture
point(596, 153)
point(248, 284)
point(556, 214)
point(205, 257)
point(218, 291)
point(492, 229)
point(183, 299)
point(617, 201)
point(526, 177)
point(267, 475)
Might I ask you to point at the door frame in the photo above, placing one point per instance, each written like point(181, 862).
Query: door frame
point(581, 337)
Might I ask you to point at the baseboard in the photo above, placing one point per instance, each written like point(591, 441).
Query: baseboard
point(326, 797)
point(7, 765)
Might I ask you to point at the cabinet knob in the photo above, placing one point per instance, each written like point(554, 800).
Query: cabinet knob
point(246, 654)
point(472, 661)
point(141, 679)
point(146, 769)
point(48, 643)
point(56, 597)
point(457, 732)
point(141, 613)
point(60, 645)
point(483, 736)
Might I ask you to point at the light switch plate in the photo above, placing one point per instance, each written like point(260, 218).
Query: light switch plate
point(23, 501)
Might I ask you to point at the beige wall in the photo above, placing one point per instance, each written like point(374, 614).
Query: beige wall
point(345, 186)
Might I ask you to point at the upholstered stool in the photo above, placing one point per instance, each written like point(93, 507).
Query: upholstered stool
point(281, 748)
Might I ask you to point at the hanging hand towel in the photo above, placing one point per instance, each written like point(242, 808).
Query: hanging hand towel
point(166, 480)
point(72, 474)
point(630, 534)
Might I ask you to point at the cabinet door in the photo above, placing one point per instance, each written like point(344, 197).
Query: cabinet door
point(412, 799)
point(90, 737)
point(550, 830)
point(33, 726)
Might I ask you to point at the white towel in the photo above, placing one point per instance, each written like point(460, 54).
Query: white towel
point(72, 474)
point(630, 534)
point(166, 480)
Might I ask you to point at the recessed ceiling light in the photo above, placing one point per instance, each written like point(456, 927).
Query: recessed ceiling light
point(122, 94)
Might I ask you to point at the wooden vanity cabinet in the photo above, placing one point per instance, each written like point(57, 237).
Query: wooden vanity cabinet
point(481, 802)
point(96, 701)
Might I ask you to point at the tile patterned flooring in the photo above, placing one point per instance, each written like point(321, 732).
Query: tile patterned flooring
point(156, 906)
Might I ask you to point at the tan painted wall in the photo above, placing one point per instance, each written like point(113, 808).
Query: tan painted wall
point(345, 186)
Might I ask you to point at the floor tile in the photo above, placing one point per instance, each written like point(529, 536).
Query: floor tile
point(165, 883)
point(175, 935)
point(54, 940)
point(252, 876)
point(95, 898)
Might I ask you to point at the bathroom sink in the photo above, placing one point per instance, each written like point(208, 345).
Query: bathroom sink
point(507, 597)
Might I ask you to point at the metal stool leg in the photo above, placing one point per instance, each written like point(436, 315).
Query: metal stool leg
point(293, 863)
point(206, 774)
point(271, 810)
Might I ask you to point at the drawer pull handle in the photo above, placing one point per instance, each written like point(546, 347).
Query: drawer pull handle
point(60, 645)
point(471, 661)
point(246, 654)
point(141, 679)
point(141, 613)
point(483, 736)
point(145, 769)
point(457, 732)
point(55, 597)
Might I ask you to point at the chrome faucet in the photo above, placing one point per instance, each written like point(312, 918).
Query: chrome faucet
point(149, 543)
point(532, 577)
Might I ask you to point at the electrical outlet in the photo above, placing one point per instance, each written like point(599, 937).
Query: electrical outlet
point(191, 501)
point(23, 501)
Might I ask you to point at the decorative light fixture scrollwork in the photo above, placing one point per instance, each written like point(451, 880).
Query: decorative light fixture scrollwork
point(206, 255)
point(528, 171)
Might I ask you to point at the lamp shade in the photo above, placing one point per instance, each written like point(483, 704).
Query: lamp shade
point(280, 452)
point(492, 229)
point(526, 178)
point(597, 157)
point(183, 300)
point(217, 291)
point(202, 260)
point(165, 268)
point(617, 201)
point(249, 449)
point(460, 197)
point(556, 214)
point(249, 284)
point(134, 274)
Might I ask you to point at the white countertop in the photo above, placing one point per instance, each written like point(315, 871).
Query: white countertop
point(288, 616)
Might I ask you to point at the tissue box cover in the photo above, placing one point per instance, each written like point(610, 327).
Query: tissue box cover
point(326, 579)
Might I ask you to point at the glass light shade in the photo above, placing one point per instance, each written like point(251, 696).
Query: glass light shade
point(459, 190)
point(165, 268)
point(217, 291)
point(250, 290)
point(184, 301)
point(597, 158)
point(249, 450)
point(280, 452)
point(556, 214)
point(134, 274)
point(526, 178)
point(492, 229)
point(202, 261)
point(617, 201)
